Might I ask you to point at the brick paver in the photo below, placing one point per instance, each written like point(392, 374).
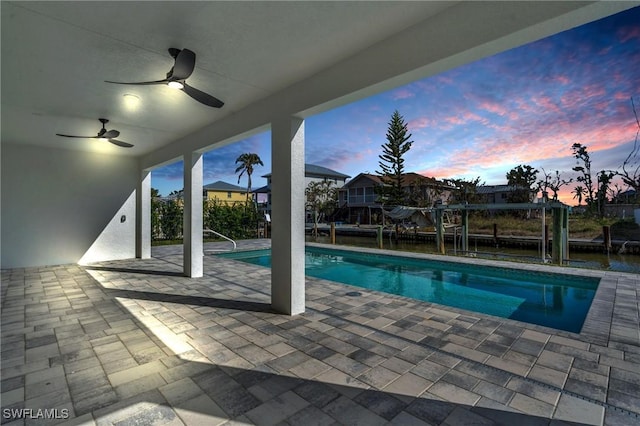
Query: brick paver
point(135, 342)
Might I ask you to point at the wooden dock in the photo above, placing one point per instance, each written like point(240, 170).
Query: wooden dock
point(525, 242)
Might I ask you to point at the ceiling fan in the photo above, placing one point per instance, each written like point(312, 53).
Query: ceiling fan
point(103, 134)
point(185, 62)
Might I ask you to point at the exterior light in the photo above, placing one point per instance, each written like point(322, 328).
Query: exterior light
point(131, 102)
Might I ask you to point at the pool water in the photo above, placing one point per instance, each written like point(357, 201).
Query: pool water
point(552, 300)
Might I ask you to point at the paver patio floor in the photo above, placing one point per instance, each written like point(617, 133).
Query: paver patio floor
point(133, 342)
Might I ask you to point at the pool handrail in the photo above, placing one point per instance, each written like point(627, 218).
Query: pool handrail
point(207, 230)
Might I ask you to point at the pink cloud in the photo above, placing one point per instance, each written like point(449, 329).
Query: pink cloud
point(419, 123)
point(576, 99)
point(562, 79)
point(341, 158)
point(604, 51)
point(454, 119)
point(403, 93)
point(493, 107)
point(621, 96)
point(529, 148)
point(462, 118)
point(546, 103)
point(594, 90)
point(448, 172)
point(444, 79)
point(629, 33)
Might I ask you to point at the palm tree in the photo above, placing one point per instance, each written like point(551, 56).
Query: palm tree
point(247, 161)
point(579, 192)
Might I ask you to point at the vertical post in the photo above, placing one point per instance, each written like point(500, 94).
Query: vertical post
point(439, 232)
point(192, 223)
point(455, 242)
point(495, 233)
point(287, 226)
point(606, 233)
point(557, 247)
point(143, 216)
point(333, 232)
point(544, 235)
point(465, 231)
point(315, 224)
point(379, 236)
point(565, 233)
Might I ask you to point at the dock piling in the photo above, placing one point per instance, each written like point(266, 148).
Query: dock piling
point(333, 232)
point(606, 234)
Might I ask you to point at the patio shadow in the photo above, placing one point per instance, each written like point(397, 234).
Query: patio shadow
point(135, 271)
point(241, 305)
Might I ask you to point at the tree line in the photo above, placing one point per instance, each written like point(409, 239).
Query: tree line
point(239, 220)
point(596, 189)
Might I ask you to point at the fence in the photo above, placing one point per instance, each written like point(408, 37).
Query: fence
point(622, 211)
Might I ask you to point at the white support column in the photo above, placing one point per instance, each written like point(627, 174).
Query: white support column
point(287, 216)
point(192, 226)
point(143, 216)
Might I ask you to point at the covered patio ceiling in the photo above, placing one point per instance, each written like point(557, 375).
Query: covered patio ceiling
point(263, 59)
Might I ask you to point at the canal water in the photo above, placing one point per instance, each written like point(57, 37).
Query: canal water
point(600, 261)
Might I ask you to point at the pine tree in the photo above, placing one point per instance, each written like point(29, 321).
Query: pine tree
point(392, 162)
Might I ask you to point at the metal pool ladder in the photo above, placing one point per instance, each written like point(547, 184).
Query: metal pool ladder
point(210, 231)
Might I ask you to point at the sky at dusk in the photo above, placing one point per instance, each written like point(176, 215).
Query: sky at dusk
point(528, 105)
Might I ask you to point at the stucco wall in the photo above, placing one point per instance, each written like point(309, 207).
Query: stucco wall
point(61, 206)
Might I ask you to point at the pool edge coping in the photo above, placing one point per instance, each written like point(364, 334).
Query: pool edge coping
point(597, 325)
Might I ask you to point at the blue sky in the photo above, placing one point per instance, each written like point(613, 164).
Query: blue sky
point(524, 106)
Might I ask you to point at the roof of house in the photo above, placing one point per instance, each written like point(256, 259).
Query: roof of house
point(313, 170)
point(223, 186)
point(409, 179)
point(262, 190)
point(492, 189)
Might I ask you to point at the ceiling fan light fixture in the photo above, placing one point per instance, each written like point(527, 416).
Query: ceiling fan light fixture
point(176, 78)
point(103, 135)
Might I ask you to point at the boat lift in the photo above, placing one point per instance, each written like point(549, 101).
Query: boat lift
point(560, 212)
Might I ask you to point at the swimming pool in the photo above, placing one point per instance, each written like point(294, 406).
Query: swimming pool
point(559, 301)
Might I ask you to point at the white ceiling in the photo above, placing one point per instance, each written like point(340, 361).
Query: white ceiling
point(56, 56)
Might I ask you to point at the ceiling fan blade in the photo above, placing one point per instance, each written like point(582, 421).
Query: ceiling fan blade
point(120, 143)
point(74, 136)
point(202, 97)
point(141, 83)
point(184, 66)
point(110, 134)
